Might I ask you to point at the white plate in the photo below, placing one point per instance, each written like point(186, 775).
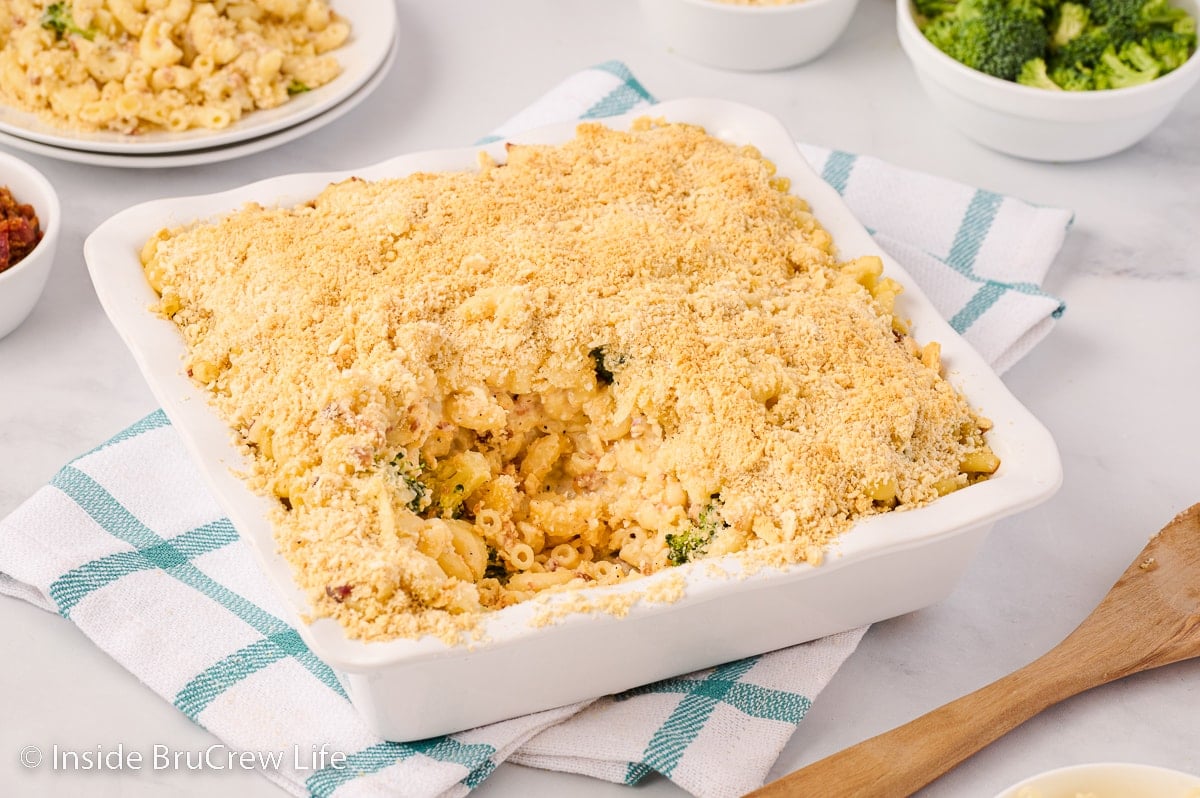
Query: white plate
point(410, 689)
point(372, 33)
point(213, 154)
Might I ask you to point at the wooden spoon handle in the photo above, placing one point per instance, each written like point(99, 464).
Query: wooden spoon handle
point(905, 759)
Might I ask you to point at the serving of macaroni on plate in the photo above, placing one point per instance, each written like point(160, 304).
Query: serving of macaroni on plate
point(136, 66)
point(591, 362)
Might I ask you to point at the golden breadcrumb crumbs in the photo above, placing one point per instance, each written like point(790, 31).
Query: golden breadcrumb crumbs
point(592, 362)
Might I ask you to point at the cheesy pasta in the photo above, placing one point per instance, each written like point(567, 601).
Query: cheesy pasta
point(592, 362)
point(133, 66)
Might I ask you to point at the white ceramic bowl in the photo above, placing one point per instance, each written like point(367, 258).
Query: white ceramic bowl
point(745, 37)
point(887, 565)
point(1107, 780)
point(22, 284)
point(1039, 124)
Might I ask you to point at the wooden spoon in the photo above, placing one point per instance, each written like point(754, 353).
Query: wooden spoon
point(1150, 617)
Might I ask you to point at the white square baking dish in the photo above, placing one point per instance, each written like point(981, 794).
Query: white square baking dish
point(410, 689)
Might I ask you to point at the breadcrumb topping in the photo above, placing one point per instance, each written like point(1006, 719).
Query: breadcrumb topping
point(592, 362)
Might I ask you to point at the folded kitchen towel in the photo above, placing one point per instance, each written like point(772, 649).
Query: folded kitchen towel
point(127, 543)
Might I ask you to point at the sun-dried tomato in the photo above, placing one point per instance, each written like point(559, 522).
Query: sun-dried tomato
point(19, 229)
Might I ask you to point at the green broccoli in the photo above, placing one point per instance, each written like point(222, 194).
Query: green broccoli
point(297, 87)
point(1077, 45)
point(1133, 66)
point(1033, 73)
point(1156, 14)
point(58, 18)
point(685, 546)
point(1071, 21)
point(455, 479)
point(930, 9)
point(1039, 9)
point(496, 569)
point(420, 493)
point(996, 37)
point(1104, 11)
point(1170, 48)
point(1084, 49)
point(1072, 77)
point(604, 364)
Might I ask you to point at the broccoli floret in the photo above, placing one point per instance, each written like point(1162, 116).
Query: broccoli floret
point(58, 18)
point(996, 37)
point(420, 493)
point(1105, 11)
point(1086, 48)
point(605, 364)
point(1170, 48)
point(1033, 73)
point(942, 33)
point(1161, 14)
point(297, 87)
point(686, 545)
point(1072, 20)
point(1133, 66)
point(1072, 77)
point(1077, 45)
point(932, 9)
point(496, 569)
point(1039, 9)
point(455, 479)
point(410, 476)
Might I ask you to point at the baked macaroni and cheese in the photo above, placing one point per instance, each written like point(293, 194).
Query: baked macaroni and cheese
point(134, 66)
point(592, 362)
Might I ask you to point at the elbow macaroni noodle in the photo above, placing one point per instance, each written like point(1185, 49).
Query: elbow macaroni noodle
point(132, 66)
point(452, 428)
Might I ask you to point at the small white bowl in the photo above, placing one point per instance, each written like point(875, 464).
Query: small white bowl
point(752, 38)
point(1107, 780)
point(1036, 123)
point(22, 284)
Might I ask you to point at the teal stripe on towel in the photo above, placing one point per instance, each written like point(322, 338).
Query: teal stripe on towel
point(473, 757)
point(75, 585)
point(987, 295)
point(623, 98)
point(622, 72)
point(837, 169)
point(685, 723)
point(110, 515)
point(155, 420)
point(197, 694)
point(753, 700)
point(973, 231)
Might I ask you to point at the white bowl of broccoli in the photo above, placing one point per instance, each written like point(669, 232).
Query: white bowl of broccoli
point(1053, 80)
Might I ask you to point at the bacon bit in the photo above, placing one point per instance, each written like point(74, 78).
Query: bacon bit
point(585, 577)
point(338, 593)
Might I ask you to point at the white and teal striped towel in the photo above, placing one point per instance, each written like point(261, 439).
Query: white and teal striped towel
point(127, 543)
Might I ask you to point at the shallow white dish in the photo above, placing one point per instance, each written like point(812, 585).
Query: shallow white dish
point(1107, 780)
point(212, 154)
point(372, 33)
point(410, 689)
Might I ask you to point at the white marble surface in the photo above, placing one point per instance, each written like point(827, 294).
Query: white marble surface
point(1117, 383)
